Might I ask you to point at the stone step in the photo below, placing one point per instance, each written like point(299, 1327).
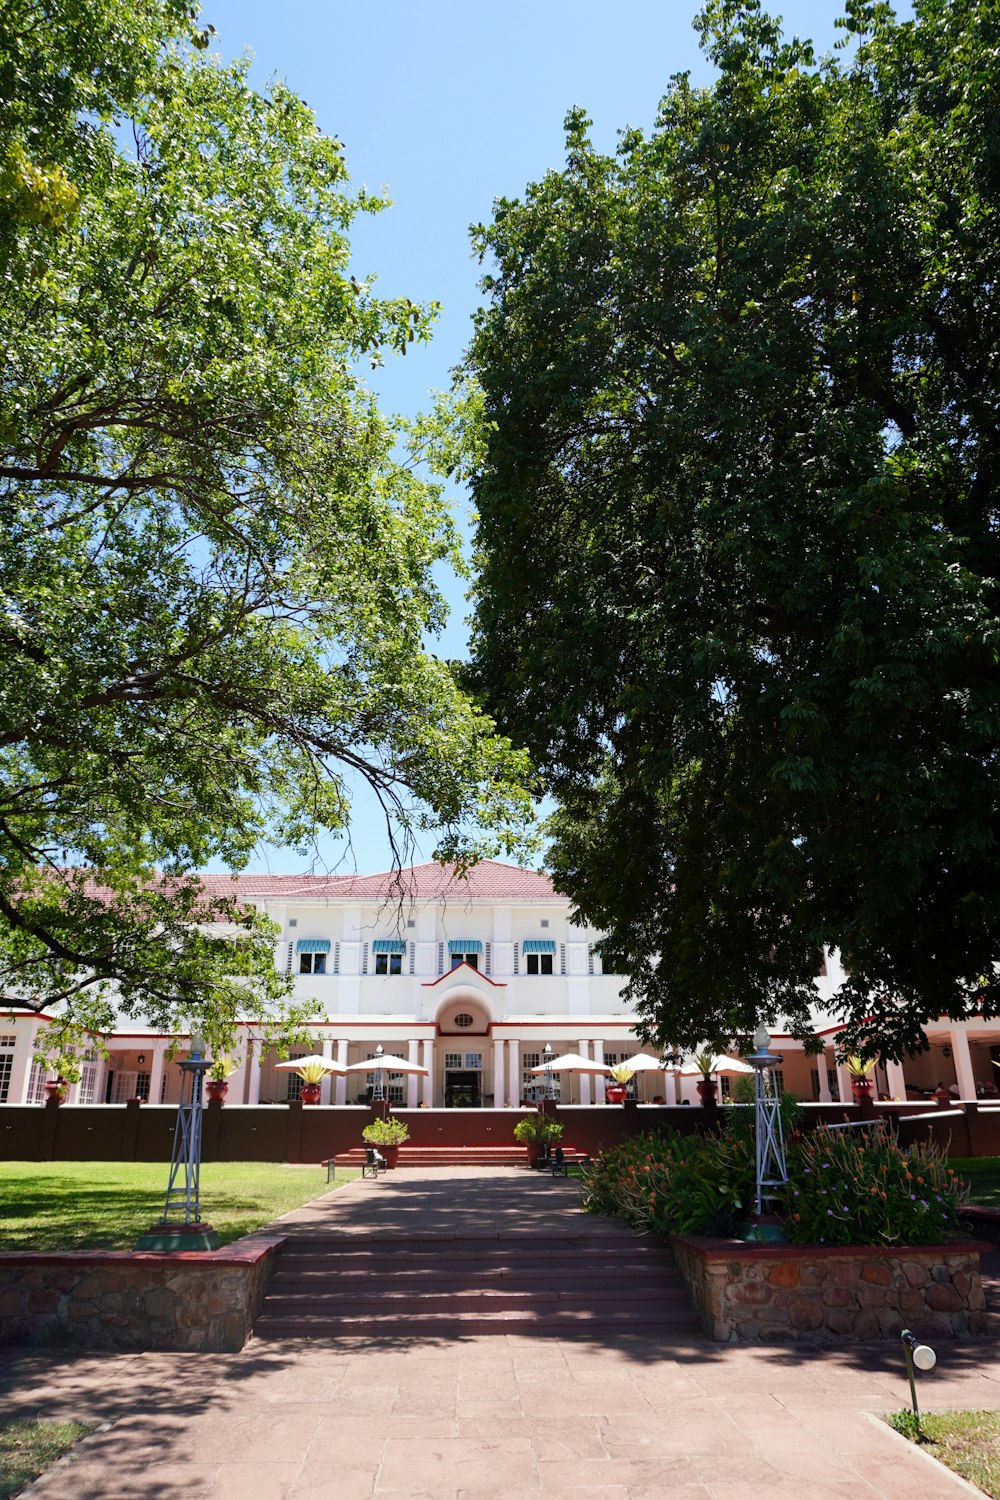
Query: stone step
point(306, 1305)
point(431, 1276)
point(564, 1321)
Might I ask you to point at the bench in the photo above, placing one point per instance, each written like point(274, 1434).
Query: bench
point(559, 1161)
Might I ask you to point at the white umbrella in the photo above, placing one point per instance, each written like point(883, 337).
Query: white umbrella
point(725, 1067)
point(571, 1062)
point(645, 1062)
point(388, 1064)
point(315, 1061)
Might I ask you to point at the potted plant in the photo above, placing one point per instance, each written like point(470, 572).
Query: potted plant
point(55, 1091)
point(216, 1086)
point(312, 1075)
point(706, 1086)
point(388, 1135)
point(536, 1134)
point(861, 1082)
point(616, 1091)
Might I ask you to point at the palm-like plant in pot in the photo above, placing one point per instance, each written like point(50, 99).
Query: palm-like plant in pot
point(706, 1087)
point(312, 1075)
point(860, 1069)
point(621, 1075)
point(216, 1084)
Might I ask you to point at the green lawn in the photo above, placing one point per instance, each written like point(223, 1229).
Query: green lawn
point(28, 1448)
point(967, 1441)
point(983, 1175)
point(105, 1205)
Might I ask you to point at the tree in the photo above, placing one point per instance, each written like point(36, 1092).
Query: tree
point(738, 523)
point(216, 560)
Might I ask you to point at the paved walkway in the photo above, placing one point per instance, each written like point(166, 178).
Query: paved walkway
point(496, 1417)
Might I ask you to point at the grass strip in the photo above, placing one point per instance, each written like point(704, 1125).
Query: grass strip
point(968, 1442)
point(104, 1205)
point(28, 1448)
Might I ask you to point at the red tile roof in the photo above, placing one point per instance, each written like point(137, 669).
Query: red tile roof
point(488, 881)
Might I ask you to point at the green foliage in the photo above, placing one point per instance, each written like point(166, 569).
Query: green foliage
point(538, 1129)
point(843, 1190)
point(737, 491)
point(217, 560)
point(389, 1132)
point(672, 1184)
point(907, 1423)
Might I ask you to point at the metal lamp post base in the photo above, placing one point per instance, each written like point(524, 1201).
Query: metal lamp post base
point(761, 1229)
point(179, 1237)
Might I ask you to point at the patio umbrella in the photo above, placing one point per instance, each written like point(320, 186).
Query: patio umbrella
point(645, 1062)
point(725, 1067)
point(315, 1061)
point(388, 1064)
point(571, 1062)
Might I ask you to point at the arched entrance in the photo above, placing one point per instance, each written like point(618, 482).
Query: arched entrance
point(463, 1022)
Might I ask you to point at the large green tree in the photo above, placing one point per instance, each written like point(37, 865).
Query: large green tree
point(216, 558)
point(738, 522)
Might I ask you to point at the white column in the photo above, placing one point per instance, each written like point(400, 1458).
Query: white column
point(413, 1056)
point(156, 1072)
point(844, 1083)
point(599, 1058)
point(896, 1080)
point(822, 1067)
point(583, 1047)
point(514, 1071)
point(324, 1097)
point(428, 1082)
point(499, 1082)
point(20, 1073)
point(963, 1061)
point(255, 1052)
point(341, 1094)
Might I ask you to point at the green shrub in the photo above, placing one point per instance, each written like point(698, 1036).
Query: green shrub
point(537, 1129)
point(847, 1190)
point(842, 1189)
point(390, 1132)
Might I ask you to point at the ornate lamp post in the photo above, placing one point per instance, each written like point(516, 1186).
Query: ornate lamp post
point(772, 1170)
point(550, 1088)
point(378, 1087)
point(182, 1227)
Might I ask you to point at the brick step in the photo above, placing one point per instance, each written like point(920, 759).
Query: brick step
point(284, 1303)
point(435, 1325)
point(317, 1277)
point(614, 1246)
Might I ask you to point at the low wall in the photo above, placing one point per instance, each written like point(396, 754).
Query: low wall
point(748, 1294)
point(294, 1133)
point(193, 1300)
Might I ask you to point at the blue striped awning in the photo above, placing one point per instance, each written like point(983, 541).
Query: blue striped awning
point(538, 945)
point(464, 945)
point(388, 945)
point(313, 945)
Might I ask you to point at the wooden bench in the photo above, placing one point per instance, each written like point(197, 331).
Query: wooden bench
point(559, 1160)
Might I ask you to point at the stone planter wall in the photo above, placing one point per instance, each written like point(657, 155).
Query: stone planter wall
point(196, 1300)
point(786, 1293)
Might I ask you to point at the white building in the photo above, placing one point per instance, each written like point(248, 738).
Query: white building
point(470, 978)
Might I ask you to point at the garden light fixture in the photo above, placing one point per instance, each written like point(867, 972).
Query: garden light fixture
point(550, 1088)
point(922, 1357)
point(181, 1226)
point(772, 1171)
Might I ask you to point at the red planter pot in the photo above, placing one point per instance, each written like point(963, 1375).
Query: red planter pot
point(391, 1154)
point(310, 1093)
point(708, 1090)
point(861, 1088)
point(616, 1093)
point(56, 1090)
point(217, 1088)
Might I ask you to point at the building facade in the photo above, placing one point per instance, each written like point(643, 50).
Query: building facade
point(469, 978)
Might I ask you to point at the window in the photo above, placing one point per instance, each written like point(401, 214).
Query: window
point(88, 1083)
point(545, 921)
point(472, 959)
point(388, 963)
point(464, 951)
point(539, 955)
point(142, 1087)
point(464, 1021)
point(293, 1083)
point(453, 1060)
point(474, 1060)
point(6, 1066)
point(36, 1085)
point(312, 955)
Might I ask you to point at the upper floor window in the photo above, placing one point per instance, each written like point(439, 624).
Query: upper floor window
point(388, 955)
point(312, 954)
point(465, 951)
point(539, 955)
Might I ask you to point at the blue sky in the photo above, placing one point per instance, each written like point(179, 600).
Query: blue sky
point(450, 106)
